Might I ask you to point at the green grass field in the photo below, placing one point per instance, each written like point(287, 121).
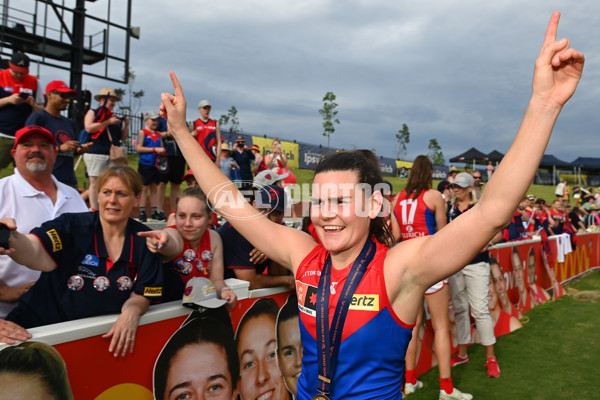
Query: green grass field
point(556, 355)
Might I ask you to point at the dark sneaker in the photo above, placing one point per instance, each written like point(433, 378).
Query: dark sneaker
point(493, 368)
point(143, 217)
point(158, 216)
point(457, 360)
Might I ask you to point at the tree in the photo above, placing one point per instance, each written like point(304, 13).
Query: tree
point(230, 121)
point(435, 152)
point(403, 138)
point(328, 112)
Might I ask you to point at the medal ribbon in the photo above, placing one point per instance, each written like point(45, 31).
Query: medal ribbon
point(330, 344)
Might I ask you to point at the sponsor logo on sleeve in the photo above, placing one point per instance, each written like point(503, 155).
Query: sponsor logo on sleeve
point(153, 291)
point(55, 239)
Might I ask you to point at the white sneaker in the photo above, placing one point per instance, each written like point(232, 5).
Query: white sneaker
point(410, 388)
point(455, 395)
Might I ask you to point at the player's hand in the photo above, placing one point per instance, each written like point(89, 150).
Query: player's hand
point(558, 68)
point(173, 107)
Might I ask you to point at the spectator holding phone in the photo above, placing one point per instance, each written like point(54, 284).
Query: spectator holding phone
point(58, 96)
point(20, 95)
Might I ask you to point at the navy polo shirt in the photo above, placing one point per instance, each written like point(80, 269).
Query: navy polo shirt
point(86, 282)
point(236, 252)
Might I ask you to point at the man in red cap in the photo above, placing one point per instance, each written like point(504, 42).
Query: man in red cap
point(58, 96)
point(19, 96)
point(31, 196)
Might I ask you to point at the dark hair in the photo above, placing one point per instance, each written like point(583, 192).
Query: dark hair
point(287, 312)
point(40, 360)
point(196, 331)
point(195, 191)
point(265, 305)
point(366, 166)
point(129, 176)
point(420, 177)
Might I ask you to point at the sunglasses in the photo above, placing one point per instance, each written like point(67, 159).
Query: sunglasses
point(476, 177)
point(63, 95)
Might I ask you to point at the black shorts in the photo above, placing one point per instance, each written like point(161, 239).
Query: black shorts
point(149, 174)
point(176, 170)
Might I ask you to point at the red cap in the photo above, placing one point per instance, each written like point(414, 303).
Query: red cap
point(189, 174)
point(59, 86)
point(30, 130)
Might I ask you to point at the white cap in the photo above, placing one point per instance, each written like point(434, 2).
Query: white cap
point(268, 177)
point(201, 292)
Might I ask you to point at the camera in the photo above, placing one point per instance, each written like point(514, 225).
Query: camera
point(24, 95)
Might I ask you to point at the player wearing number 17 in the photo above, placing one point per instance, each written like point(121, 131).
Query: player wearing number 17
point(420, 211)
point(369, 349)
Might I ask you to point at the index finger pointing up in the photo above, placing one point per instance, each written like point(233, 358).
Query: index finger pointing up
point(176, 85)
point(552, 28)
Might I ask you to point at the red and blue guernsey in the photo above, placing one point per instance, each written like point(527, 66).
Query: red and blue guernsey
point(371, 356)
point(207, 136)
point(414, 217)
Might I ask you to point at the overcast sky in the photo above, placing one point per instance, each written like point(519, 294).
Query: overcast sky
point(457, 71)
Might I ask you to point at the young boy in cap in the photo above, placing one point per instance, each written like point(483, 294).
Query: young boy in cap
point(207, 132)
point(149, 146)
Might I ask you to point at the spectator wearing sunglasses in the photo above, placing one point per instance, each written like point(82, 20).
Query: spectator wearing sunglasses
point(478, 183)
point(58, 96)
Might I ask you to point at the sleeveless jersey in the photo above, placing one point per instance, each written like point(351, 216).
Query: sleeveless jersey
point(207, 136)
point(413, 216)
point(151, 139)
point(192, 262)
point(374, 340)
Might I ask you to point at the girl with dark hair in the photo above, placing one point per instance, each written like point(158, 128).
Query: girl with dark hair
point(198, 361)
point(353, 277)
point(420, 211)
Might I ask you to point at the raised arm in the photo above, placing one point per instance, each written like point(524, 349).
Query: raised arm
point(556, 75)
point(226, 198)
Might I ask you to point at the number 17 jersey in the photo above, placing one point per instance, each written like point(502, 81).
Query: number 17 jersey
point(413, 216)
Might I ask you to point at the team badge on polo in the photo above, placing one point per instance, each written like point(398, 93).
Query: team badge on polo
point(124, 283)
point(101, 283)
point(75, 283)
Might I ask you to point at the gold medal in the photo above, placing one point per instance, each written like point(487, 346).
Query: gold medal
point(320, 396)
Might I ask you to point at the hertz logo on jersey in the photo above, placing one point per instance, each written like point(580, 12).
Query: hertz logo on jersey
point(365, 302)
point(153, 291)
point(56, 242)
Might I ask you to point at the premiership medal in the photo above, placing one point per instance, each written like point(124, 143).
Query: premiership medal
point(320, 396)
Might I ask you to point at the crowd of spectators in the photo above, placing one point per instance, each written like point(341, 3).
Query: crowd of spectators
point(43, 196)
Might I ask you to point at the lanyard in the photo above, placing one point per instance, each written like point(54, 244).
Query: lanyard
point(329, 345)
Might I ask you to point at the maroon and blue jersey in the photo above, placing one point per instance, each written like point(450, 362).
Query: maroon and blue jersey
point(207, 136)
point(413, 216)
point(374, 340)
